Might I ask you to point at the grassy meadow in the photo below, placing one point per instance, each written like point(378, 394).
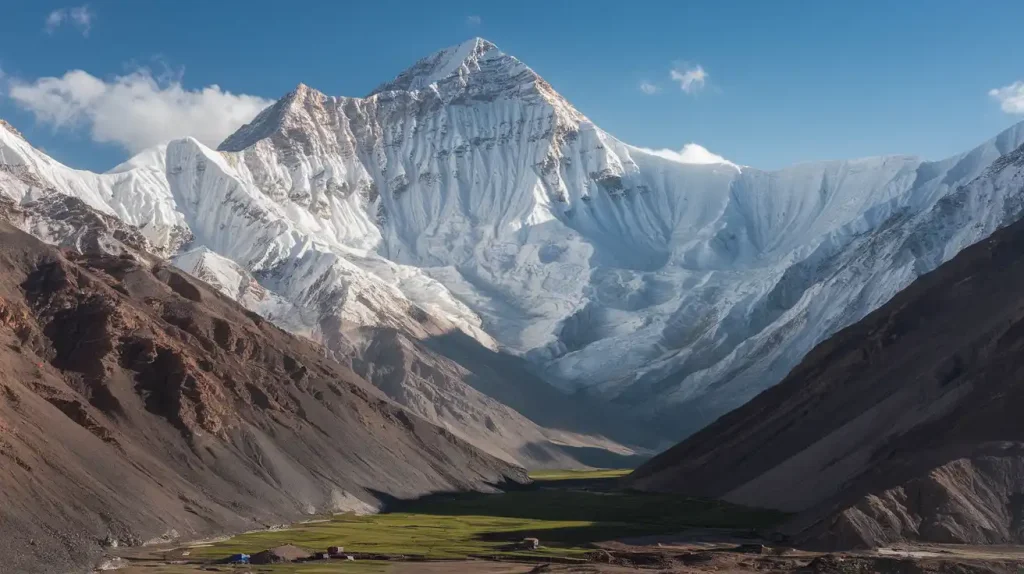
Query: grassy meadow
point(590, 474)
point(567, 520)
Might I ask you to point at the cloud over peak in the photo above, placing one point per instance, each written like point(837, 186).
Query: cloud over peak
point(137, 110)
point(691, 153)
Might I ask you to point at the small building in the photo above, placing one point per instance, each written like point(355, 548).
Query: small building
point(529, 544)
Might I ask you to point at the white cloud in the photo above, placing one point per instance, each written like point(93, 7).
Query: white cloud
point(1010, 98)
point(648, 88)
point(55, 19)
point(135, 111)
point(691, 153)
point(691, 78)
point(80, 17)
point(474, 20)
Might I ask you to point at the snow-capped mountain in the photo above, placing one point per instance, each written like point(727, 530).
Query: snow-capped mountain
point(360, 315)
point(467, 194)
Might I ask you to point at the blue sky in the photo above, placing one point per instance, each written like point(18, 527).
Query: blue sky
point(782, 81)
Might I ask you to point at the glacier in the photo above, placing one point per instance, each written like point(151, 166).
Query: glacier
point(467, 194)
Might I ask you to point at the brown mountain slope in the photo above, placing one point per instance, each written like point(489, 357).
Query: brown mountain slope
point(137, 403)
point(905, 426)
point(442, 387)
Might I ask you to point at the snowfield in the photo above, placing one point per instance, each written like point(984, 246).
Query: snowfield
point(468, 191)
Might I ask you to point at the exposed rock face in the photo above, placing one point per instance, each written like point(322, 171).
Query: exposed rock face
point(904, 426)
point(138, 403)
point(978, 499)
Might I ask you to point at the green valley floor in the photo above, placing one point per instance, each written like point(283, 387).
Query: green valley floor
point(584, 523)
point(568, 511)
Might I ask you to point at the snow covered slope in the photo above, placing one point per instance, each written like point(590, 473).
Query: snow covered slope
point(638, 277)
point(315, 288)
point(469, 189)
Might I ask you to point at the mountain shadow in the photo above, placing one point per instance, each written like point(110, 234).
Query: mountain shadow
point(509, 379)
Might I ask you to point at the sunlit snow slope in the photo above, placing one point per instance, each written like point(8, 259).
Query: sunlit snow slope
point(467, 187)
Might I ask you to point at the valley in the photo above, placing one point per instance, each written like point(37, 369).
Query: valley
point(569, 513)
point(585, 524)
point(452, 325)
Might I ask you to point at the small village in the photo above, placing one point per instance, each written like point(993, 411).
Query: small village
point(292, 553)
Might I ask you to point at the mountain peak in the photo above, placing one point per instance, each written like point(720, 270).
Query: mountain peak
point(298, 95)
point(270, 119)
point(473, 71)
point(472, 56)
point(10, 128)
